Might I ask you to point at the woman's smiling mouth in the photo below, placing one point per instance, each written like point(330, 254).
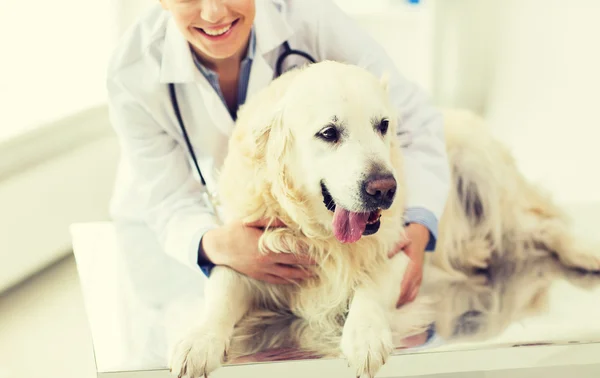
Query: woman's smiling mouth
point(218, 32)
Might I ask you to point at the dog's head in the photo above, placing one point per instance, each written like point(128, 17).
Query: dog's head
point(329, 148)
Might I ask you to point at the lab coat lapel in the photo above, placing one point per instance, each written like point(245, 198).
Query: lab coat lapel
point(215, 107)
point(260, 75)
point(271, 31)
point(178, 67)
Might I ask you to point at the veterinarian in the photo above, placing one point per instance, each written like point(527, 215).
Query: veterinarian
point(217, 53)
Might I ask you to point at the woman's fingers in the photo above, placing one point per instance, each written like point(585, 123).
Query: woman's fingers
point(290, 272)
point(273, 279)
point(401, 246)
point(404, 296)
point(293, 259)
point(262, 223)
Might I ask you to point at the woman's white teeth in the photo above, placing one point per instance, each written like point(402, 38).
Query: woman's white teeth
point(217, 32)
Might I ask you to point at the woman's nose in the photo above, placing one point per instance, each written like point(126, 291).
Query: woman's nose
point(213, 11)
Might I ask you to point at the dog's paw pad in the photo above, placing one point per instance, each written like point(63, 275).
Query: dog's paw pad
point(198, 354)
point(366, 347)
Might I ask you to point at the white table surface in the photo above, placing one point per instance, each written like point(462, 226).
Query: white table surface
point(137, 298)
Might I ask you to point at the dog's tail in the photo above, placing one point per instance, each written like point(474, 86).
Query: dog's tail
point(475, 158)
point(474, 208)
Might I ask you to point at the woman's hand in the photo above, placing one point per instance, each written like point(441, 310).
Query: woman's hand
point(236, 246)
point(414, 246)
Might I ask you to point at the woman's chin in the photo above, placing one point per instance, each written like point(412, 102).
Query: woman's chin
point(216, 51)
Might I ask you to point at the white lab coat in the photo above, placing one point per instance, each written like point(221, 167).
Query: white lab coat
point(156, 182)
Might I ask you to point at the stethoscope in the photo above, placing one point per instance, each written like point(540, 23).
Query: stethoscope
point(210, 199)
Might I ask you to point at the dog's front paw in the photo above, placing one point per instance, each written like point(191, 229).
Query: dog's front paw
point(198, 354)
point(366, 343)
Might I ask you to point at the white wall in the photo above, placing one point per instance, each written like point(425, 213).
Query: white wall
point(57, 154)
point(124, 13)
point(543, 94)
point(464, 48)
point(404, 30)
point(52, 61)
point(48, 180)
point(531, 67)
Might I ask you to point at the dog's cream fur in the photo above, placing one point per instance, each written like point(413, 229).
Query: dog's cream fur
point(273, 170)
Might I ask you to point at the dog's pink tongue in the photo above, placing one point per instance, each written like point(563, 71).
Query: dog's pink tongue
point(348, 227)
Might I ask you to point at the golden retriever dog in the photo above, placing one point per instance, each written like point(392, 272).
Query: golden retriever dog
point(318, 150)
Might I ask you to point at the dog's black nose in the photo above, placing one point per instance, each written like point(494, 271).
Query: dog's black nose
point(379, 191)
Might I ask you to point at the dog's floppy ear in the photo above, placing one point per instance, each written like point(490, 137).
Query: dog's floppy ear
point(260, 137)
point(270, 140)
point(264, 112)
point(279, 170)
point(272, 145)
point(268, 136)
point(266, 140)
point(274, 142)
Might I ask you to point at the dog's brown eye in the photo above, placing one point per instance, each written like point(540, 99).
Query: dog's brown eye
point(383, 126)
point(329, 134)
